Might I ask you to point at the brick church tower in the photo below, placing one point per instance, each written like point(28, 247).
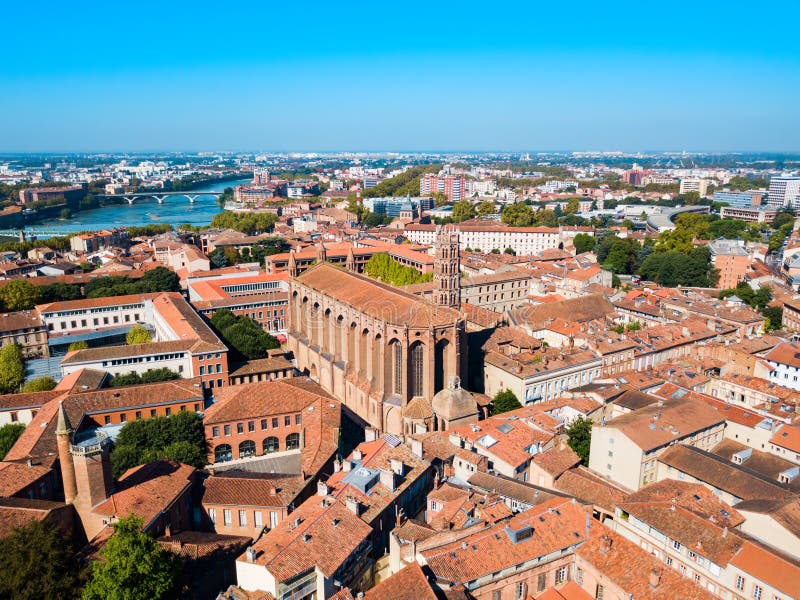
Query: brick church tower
point(446, 271)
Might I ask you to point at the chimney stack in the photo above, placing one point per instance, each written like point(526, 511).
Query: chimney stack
point(655, 578)
point(605, 544)
point(353, 505)
point(370, 434)
point(416, 448)
point(387, 479)
point(322, 488)
point(250, 554)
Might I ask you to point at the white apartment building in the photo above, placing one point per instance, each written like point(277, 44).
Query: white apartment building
point(784, 191)
point(525, 241)
point(694, 184)
point(555, 186)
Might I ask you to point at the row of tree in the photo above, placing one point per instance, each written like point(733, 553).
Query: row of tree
point(247, 222)
point(382, 266)
point(243, 334)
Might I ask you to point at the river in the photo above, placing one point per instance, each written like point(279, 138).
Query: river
point(175, 210)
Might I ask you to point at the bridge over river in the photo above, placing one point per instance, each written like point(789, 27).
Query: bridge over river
point(159, 196)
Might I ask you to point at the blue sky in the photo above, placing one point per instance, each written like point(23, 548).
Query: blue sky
point(174, 75)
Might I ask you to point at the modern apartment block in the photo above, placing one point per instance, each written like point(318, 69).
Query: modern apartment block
point(452, 187)
point(784, 191)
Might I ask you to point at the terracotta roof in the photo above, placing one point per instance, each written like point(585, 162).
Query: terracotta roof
point(694, 497)
point(674, 420)
point(629, 567)
point(557, 460)
point(16, 321)
point(722, 474)
point(147, 490)
point(583, 308)
point(376, 299)
point(198, 545)
point(262, 365)
point(93, 355)
point(16, 476)
point(769, 567)
point(232, 488)
point(263, 398)
point(29, 400)
point(324, 536)
point(552, 526)
point(569, 591)
point(18, 512)
point(409, 583)
point(377, 455)
point(512, 488)
point(787, 436)
point(588, 487)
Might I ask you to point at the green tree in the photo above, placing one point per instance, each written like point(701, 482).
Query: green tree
point(783, 217)
point(583, 242)
point(38, 563)
point(487, 207)
point(138, 335)
point(510, 251)
point(573, 206)
point(44, 383)
point(504, 401)
point(773, 318)
point(149, 376)
point(9, 434)
point(440, 199)
point(243, 334)
point(382, 266)
point(580, 437)
point(159, 279)
point(18, 294)
point(462, 211)
point(56, 292)
point(144, 441)
point(12, 368)
point(77, 346)
point(248, 222)
point(546, 218)
point(517, 215)
point(133, 567)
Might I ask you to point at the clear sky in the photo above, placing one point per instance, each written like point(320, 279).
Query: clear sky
point(292, 75)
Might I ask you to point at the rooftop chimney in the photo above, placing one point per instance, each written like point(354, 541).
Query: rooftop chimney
point(370, 434)
point(353, 505)
point(322, 488)
point(655, 578)
point(416, 448)
point(250, 554)
point(398, 468)
point(605, 544)
point(387, 479)
point(357, 454)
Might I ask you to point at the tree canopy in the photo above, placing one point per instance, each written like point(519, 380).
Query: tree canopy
point(504, 401)
point(246, 222)
point(138, 335)
point(403, 184)
point(178, 437)
point(18, 294)
point(583, 242)
point(462, 211)
point(580, 437)
point(149, 376)
point(12, 368)
point(159, 279)
point(517, 215)
point(40, 384)
point(674, 268)
point(384, 267)
point(9, 434)
point(38, 563)
point(133, 567)
point(243, 334)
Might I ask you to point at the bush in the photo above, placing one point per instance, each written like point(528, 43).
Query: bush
point(580, 437)
point(382, 266)
point(138, 335)
point(178, 437)
point(12, 369)
point(44, 383)
point(9, 434)
point(149, 376)
point(504, 401)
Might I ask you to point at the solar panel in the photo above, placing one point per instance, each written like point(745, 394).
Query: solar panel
point(392, 440)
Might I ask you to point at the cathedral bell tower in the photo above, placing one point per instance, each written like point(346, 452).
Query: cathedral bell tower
point(446, 268)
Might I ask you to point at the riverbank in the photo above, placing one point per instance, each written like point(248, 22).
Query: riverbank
point(175, 210)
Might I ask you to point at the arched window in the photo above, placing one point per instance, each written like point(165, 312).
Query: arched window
point(247, 448)
point(397, 367)
point(417, 368)
point(222, 453)
point(293, 441)
point(270, 445)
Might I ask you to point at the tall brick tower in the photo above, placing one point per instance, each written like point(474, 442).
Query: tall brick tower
point(64, 441)
point(447, 285)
